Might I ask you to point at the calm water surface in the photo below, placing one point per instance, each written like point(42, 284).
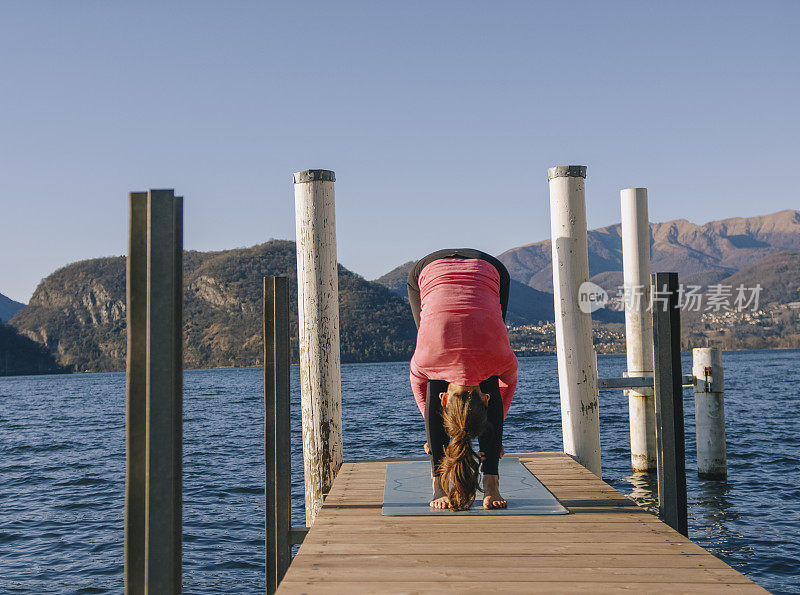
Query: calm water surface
point(62, 467)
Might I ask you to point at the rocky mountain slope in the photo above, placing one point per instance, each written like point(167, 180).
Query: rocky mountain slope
point(395, 280)
point(770, 322)
point(777, 274)
point(79, 312)
point(8, 308)
point(701, 253)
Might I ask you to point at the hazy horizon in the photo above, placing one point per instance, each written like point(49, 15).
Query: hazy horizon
point(439, 121)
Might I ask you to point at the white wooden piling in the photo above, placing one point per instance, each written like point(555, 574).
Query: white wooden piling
point(709, 413)
point(318, 302)
point(638, 325)
point(577, 368)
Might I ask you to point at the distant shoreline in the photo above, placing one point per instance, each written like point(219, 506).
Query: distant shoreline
point(376, 363)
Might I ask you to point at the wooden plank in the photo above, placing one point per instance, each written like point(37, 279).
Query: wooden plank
point(490, 538)
point(481, 570)
point(315, 546)
point(454, 586)
point(419, 561)
point(373, 516)
point(447, 525)
point(608, 544)
point(353, 517)
point(577, 523)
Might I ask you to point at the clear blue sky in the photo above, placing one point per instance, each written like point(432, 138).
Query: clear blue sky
point(439, 119)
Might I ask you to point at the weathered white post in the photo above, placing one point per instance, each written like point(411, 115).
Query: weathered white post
point(709, 413)
point(318, 305)
point(638, 325)
point(577, 368)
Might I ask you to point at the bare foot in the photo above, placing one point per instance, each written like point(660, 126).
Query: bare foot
point(491, 493)
point(440, 500)
point(427, 449)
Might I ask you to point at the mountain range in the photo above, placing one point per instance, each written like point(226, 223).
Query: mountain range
point(78, 312)
point(698, 253)
point(770, 321)
point(8, 308)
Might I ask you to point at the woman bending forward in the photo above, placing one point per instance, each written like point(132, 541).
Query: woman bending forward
point(463, 372)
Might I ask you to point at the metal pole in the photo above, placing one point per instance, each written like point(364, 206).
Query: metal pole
point(577, 370)
point(136, 397)
point(277, 447)
point(318, 305)
point(668, 383)
point(709, 413)
point(638, 325)
point(164, 363)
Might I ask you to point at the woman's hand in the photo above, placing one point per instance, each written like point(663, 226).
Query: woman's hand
point(483, 456)
point(427, 450)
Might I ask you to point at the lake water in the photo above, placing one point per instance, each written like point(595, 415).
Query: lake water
point(62, 467)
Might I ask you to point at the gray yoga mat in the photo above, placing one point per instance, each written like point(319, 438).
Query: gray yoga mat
point(407, 492)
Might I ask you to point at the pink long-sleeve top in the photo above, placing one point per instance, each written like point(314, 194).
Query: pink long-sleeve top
point(462, 337)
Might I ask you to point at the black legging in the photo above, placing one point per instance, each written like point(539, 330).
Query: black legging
point(491, 440)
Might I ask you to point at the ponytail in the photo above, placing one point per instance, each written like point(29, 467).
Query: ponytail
point(464, 419)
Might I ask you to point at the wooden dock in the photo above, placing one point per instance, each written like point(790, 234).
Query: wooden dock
point(607, 544)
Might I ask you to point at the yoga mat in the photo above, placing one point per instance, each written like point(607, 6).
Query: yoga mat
point(407, 492)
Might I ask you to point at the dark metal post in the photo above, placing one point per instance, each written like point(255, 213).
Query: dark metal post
point(277, 448)
point(136, 398)
point(154, 404)
point(163, 525)
point(668, 382)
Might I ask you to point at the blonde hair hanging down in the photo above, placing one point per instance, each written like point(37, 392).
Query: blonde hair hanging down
point(464, 419)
